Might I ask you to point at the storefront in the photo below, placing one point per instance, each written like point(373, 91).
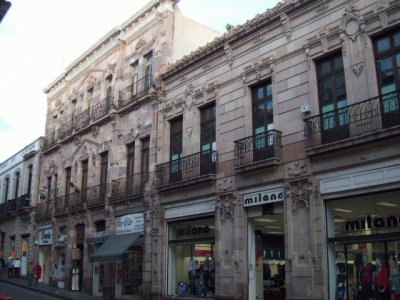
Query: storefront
point(266, 242)
point(122, 253)
point(191, 257)
point(45, 242)
point(363, 235)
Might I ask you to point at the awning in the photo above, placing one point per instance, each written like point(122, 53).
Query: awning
point(115, 246)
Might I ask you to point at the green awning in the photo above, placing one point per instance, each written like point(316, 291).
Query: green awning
point(115, 246)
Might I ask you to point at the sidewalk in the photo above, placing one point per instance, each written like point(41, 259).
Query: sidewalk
point(49, 290)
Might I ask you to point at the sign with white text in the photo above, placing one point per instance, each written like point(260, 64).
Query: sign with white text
point(46, 237)
point(130, 223)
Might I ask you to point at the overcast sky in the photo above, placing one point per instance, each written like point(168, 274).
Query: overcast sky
point(39, 39)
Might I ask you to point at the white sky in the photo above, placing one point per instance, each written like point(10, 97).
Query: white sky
point(39, 39)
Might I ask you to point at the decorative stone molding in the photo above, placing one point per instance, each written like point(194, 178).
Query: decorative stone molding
point(84, 154)
point(95, 131)
point(357, 69)
point(351, 22)
point(140, 44)
point(285, 21)
point(228, 54)
point(156, 207)
point(110, 70)
point(322, 8)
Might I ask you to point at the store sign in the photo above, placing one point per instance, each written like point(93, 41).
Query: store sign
point(46, 237)
point(192, 231)
point(263, 197)
point(130, 223)
point(371, 222)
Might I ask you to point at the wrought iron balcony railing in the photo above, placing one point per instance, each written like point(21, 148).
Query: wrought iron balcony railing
point(128, 186)
point(8, 207)
point(258, 147)
point(82, 120)
point(24, 201)
point(44, 209)
point(51, 139)
point(89, 197)
point(102, 108)
point(354, 120)
point(187, 167)
point(66, 129)
point(134, 92)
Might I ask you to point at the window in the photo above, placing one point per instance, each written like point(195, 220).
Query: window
point(387, 52)
point(333, 98)
point(55, 184)
point(6, 188)
point(90, 97)
point(103, 173)
point(148, 69)
point(48, 188)
point(263, 121)
point(130, 167)
point(84, 180)
point(30, 174)
point(109, 89)
point(101, 226)
point(67, 180)
point(135, 77)
point(176, 149)
point(144, 166)
point(207, 140)
point(16, 188)
point(73, 114)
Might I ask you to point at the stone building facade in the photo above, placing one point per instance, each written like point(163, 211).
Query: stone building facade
point(99, 154)
point(19, 186)
point(277, 167)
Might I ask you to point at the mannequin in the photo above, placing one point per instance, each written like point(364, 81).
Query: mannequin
point(381, 281)
point(366, 276)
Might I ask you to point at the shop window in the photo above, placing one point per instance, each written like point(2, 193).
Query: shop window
point(132, 269)
point(191, 258)
point(267, 253)
point(333, 98)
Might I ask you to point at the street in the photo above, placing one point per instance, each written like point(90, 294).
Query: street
point(18, 293)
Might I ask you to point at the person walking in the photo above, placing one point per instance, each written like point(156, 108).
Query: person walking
point(54, 276)
point(38, 272)
point(30, 273)
point(17, 267)
point(10, 267)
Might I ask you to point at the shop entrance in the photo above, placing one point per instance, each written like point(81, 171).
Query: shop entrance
point(364, 270)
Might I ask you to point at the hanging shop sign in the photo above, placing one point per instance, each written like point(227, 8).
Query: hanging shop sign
point(46, 237)
point(130, 223)
point(263, 197)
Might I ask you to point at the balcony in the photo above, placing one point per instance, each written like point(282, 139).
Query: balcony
point(51, 139)
point(133, 93)
point(187, 170)
point(258, 151)
point(8, 207)
point(128, 187)
point(81, 199)
point(23, 201)
point(43, 210)
point(101, 109)
point(373, 119)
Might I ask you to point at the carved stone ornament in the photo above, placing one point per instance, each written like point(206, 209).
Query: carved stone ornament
point(227, 207)
point(299, 193)
point(286, 25)
point(156, 208)
point(322, 8)
point(95, 130)
point(229, 54)
point(297, 168)
point(357, 69)
point(350, 22)
point(110, 70)
point(90, 82)
point(140, 44)
point(84, 154)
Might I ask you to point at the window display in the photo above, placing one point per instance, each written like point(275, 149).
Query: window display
point(131, 272)
point(191, 261)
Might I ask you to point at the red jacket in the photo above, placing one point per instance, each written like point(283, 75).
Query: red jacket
point(382, 277)
point(38, 271)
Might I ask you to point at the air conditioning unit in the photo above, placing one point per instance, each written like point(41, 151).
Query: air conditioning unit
point(305, 108)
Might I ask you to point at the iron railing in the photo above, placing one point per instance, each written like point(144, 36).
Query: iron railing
point(354, 120)
point(89, 197)
point(128, 186)
point(51, 139)
point(101, 109)
point(134, 92)
point(43, 210)
point(8, 207)
point(66, 129)
point(187, 167)
point(258, 147)
point(82, 120)
point(24, 201)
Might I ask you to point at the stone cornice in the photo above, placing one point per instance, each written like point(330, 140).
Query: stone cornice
point(234, 34)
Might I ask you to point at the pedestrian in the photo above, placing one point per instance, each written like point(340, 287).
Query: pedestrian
point(17, 267)
point(30, 273)
point(54, 276)
point(2, 264)
point(10, 267)
point(38, 272)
